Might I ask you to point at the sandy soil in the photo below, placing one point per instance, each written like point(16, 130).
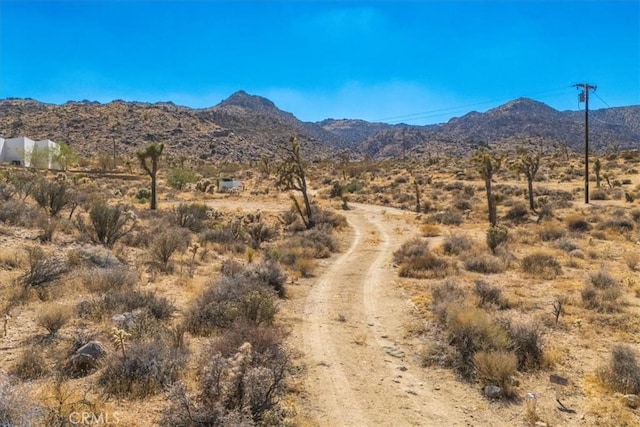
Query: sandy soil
point(360, 361)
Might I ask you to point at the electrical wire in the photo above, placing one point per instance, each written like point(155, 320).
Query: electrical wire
point(462, 108)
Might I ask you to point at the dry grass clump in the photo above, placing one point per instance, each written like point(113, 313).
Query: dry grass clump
point(416, 260)
point(125, 300)
point(485, 264)
point(53, 317)
point(496, 368)
point(550, 232)
point(108, 279)
point(471, 330)
point(622, 374)
point(518, 213)
point(542, 265)
point(444, 295)
point(30, 365)
point(602, 293)
point(246, 296)
point(456, 244)
point(16, 409)
point(577, 223)
point(144, 369)
point(490, 296)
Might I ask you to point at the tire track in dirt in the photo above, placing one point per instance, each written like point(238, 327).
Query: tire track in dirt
point(357, 374)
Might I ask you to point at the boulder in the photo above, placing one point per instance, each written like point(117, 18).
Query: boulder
point(86, 359)
point(493, 392)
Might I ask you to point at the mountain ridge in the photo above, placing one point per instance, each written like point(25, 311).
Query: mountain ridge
point(247, 127)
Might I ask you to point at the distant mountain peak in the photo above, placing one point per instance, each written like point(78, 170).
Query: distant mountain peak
point(250, 102)
point(525, 105)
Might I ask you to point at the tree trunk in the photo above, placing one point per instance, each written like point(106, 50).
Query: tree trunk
point(532, 205)
point(153, 192)
point(491, 203)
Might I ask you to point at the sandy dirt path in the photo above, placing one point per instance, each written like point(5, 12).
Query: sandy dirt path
point(361, 368)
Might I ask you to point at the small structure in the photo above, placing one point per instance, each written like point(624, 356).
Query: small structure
point(228, 184)
point(22, 151)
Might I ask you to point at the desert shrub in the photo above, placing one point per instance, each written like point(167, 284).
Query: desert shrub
point(485, 264)
point(443, 296)
point(541, 265)
point(240, 389)
point(551, 232)
point(259, 232)
point(623, 372)
point(635, 215)
point(518, 213)
point(143, 195)
point(41, 269)
point(578, 223)
point(179, 177)
point(462, 204)
point(270, 274)
point(191, 216)
point(353, 186)
point(620, 224)
point(598, 194)
point(489, 295)
point(107, 224)
point(15, 408)
point(416, 260)
point(30, 365)
point(7, 190)
point(107, 279)
point(54, 317)
point(319, 238)
point(447, 217)
point(166, 243)
point(602, 292)
point(230, 236)
point(566, 245)
point(147, 369)
point(456, 244)
point(328, 217)
point(603, 280)
point(52, 196)
point(526, 339)
point(496, 235)
point(126, 300)
point(18, 213)
point(229, 299)
point(496, 368)
point(471, 330)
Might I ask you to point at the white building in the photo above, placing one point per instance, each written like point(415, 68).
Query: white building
point(228, 184)
point(23, 151)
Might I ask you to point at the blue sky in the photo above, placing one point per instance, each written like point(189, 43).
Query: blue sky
point(413, 61)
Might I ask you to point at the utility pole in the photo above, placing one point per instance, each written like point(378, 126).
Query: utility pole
point(584, 97)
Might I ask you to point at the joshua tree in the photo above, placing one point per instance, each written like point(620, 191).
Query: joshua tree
point(597, 169)
point(291, 176)
point(487, 164)
point(149, 159)
point(528, 163)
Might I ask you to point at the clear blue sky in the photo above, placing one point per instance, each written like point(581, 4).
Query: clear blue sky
point(364, 59)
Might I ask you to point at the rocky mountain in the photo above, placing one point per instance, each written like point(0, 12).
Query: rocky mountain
point(245, 127)
point(519, 120)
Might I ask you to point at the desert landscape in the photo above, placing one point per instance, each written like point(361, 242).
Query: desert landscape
point(426, 277)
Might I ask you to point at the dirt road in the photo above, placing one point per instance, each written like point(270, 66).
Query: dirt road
point(361, 368)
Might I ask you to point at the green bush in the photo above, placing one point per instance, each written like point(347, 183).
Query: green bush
point(179, 177)
point(496, 236)
point(107, 224)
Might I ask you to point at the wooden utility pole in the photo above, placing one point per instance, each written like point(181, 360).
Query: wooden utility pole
point(584, 97)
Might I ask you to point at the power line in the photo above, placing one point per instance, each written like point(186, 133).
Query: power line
point(450, 110)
